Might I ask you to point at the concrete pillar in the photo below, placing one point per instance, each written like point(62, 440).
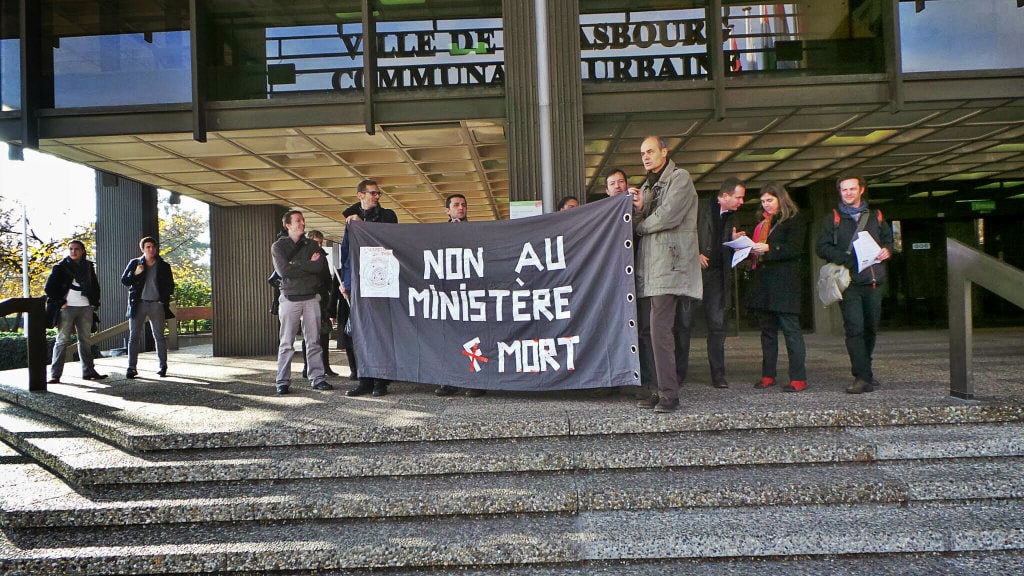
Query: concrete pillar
point(521, 99)
point(240, 239)
point(126, 211)
point(822, 196)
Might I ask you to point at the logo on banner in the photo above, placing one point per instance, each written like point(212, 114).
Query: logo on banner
point(472, 350)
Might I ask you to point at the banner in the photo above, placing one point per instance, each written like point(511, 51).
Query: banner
point(541, 303)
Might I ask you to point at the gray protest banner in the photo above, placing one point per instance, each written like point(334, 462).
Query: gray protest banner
point(541, 303)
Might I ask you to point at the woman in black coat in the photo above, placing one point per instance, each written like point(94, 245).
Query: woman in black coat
point(779, 244)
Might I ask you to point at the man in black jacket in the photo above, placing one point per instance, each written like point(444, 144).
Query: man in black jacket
point(72, 297)
point(714, 226)
point(862, 300)
point(368, 209)
point(150, 285)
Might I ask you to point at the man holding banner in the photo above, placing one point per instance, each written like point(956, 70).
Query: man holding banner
point(368, 209)
point(668, 271)
point(458, 211)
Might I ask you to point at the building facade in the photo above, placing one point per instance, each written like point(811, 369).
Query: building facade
point(256, 106)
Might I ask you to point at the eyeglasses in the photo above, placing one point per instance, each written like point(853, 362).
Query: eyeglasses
point(372, 192)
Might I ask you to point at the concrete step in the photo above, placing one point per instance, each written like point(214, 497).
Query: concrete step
point(85, 460)
point(614, 536)
point(958, 564)
point(31, 496)
point(152, 417)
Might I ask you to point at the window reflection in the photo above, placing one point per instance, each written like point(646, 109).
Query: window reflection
point(944, 36)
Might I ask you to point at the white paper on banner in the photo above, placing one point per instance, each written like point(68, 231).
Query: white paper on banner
point(867, 251)
point(378, 273)
point(741, 245)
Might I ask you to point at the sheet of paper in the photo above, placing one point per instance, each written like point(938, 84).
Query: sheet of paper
point(740, 255)
point(739, 243)
point(866, 250)
point(378, 273)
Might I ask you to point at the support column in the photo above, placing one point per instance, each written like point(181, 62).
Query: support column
point(240, 239)
point(522, 100)
point(823, 198)
point(126, 211)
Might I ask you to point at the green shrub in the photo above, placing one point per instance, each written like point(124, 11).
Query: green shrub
point(14, 350)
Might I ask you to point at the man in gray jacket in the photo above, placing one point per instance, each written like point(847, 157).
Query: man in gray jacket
point(298, 261)
point(668, 272)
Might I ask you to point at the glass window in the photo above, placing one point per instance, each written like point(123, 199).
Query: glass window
point(815, 37)
point(115, 54)
point(642, 40)
point(430, 43)
point(10, 56)
point(946, 36)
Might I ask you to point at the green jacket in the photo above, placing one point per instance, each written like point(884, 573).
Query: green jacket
point(668, 261)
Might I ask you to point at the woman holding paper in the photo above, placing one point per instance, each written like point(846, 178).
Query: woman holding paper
point(779, 241)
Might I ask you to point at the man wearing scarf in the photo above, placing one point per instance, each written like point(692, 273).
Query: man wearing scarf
point(72, 296)
point(862, 300)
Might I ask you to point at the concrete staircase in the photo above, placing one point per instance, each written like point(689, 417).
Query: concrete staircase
point(859, 491)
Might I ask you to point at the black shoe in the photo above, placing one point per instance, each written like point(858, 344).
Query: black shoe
point(93, 375)
point(282, 390)
point(321, 385)
point(55, 380)
point(329, 372)
point(130, 373)
point(720, 383)
point(604, 392)
point(380, 388)
point(446, 391)
point(162, 373)
point(353, 376)
point(475, 393)
point(364, 388)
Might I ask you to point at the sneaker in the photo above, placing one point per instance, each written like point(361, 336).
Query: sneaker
point(93, 375)
point(282, 390)
point(446, 391)
point(321, 385)
point(475, 393)
point(720, 383)
point(131, 373)
point(666, 407)
point(795, 386)
point(859, 387)
point(764, 382)
point(649, 402)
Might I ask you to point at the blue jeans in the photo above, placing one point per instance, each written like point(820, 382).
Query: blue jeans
point(154, 312)
point(771, 322)
point(79, 319)
point(862, 312)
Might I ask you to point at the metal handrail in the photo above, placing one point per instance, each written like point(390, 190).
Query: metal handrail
point(35, 330)
point(967, 266)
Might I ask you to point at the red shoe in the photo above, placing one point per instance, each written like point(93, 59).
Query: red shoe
point(795, 386)
point(765, 382)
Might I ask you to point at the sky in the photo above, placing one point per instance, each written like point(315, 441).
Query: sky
point(58, 195)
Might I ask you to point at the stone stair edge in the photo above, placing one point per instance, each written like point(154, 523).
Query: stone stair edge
point(511, 493)
point(577, 424)
point(546, 541)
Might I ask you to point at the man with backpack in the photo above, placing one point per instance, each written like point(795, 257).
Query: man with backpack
point(862, 300)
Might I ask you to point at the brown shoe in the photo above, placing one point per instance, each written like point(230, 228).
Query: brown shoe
point(666, 407)
point(649, 402)
point(859, 387)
